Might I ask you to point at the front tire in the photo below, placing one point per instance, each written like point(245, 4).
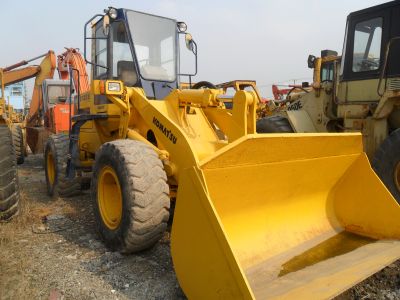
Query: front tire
point(130, 195)
point(55, 160)
point(9, 193)
point(386, 163)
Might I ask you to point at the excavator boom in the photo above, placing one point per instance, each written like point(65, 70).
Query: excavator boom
point(14, 76)
point(71, 59)
point(11, 74)
point(47, 68)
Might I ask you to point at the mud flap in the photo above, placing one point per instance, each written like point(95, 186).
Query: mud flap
point(282, 216)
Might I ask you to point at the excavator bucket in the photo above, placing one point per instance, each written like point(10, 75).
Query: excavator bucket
point(282, 216)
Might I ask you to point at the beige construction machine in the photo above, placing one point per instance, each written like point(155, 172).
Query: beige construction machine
point(255, 216)
point(359, 91)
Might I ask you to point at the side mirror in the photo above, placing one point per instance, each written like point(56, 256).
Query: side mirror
point(189, 41)
point(192, 47)
point(106, 25)
point(310, 61)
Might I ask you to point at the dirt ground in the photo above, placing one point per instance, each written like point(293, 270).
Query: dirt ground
point(51, 251)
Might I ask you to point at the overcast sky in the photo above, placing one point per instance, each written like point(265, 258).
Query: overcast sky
point(268, 41)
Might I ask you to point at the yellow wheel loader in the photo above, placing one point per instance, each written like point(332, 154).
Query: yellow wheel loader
point(11, 147)
point(359, 91)
point(256, 216)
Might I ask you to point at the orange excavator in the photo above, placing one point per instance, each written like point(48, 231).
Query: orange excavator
point(51, 108)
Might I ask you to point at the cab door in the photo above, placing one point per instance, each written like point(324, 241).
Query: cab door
point(363, 57)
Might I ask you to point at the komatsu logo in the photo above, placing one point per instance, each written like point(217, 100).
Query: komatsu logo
point(295, 105)
point(165, 131)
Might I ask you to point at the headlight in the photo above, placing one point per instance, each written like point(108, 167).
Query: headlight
point(114, 87)
point(113, 13)
point(182, 27)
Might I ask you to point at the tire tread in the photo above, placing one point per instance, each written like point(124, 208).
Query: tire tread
point(385, 160)
point(147, 193)
point(274, 124)
point(9, 192)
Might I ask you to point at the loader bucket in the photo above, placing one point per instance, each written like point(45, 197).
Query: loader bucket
point(282, 216)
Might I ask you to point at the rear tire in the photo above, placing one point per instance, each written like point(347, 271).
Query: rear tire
point(9, 193)
point(55, 160)
point(203, 85)
point(386, 163)
point(130, 195)
point(274, 124)
point(18, 142)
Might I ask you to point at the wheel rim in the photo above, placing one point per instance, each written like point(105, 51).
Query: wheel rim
point(396, 175)
point(51, 171)
point(109, 198)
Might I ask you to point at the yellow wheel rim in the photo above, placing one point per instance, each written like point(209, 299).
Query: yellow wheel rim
point(109, 198)
point(51, 171)
point(396, 176)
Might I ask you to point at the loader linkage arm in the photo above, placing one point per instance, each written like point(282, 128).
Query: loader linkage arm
point(204, 107)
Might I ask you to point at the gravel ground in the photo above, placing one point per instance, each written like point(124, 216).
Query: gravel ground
point(51, 251)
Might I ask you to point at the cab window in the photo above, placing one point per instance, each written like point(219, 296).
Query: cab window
point(367, 45)
point(327, 72)
point(123, 67)
point(100, 53)
point(57, 94)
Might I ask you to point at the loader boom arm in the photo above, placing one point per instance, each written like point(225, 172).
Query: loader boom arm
point(176, 132)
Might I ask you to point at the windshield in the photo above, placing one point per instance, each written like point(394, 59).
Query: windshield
point(154, 40)
point(57, 93)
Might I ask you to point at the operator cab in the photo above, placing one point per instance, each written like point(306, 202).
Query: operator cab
point(328, 65)
point(56, 95)
point(55, 92)
point(372, 34)
point(324, 66)
point(140, 49)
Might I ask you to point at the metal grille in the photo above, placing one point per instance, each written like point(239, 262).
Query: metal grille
point(393, 84)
